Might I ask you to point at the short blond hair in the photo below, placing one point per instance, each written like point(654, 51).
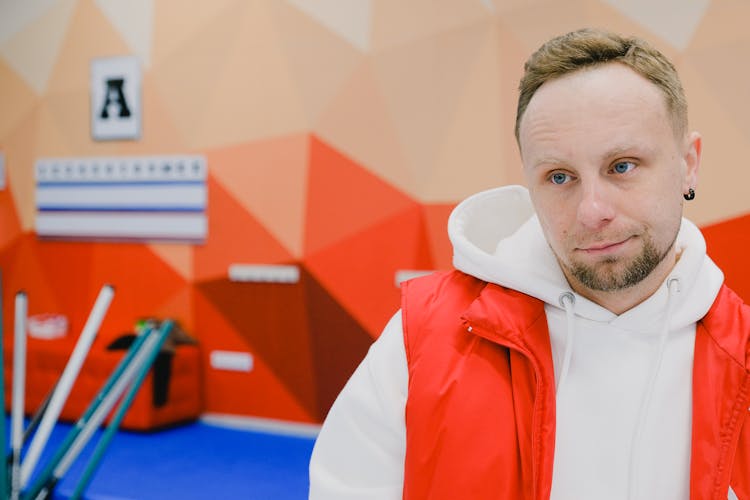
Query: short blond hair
point(586, 48)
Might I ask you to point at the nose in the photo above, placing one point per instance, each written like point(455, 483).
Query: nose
point(595, 207)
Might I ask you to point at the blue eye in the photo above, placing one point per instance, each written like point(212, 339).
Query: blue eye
point(559, 178)
point(623, 167)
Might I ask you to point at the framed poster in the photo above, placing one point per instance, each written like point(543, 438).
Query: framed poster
point(115, 98)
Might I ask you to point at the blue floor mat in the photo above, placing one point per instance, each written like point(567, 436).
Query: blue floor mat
point(194, 461)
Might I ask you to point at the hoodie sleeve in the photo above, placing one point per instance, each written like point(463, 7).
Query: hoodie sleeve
point(359, 453)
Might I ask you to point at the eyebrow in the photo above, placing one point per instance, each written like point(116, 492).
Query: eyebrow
point(608, 155)
point(620, 150)
point(548, 161)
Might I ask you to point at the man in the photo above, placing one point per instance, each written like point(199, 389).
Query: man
point(586, 347)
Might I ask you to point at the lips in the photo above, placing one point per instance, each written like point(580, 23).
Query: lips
point(605, 246)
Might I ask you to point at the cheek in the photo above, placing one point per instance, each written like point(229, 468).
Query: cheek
point(557, 216)
point(667, 208)
point(668, 218)
point(556, 213)
point(555, 226)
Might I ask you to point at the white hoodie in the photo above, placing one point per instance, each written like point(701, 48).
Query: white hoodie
point(623, 397)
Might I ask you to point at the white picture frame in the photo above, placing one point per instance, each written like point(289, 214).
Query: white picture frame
point(116, 98)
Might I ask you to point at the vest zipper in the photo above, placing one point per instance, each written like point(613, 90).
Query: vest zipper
point(537, 419)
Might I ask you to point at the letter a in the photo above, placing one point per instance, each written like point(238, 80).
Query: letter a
point(114, 95)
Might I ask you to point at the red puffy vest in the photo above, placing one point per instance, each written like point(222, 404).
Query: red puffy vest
point(480, 413)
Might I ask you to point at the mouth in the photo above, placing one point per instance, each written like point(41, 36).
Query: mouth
point(606, 247)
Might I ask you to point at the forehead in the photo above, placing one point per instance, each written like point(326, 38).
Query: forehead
point(606, 107)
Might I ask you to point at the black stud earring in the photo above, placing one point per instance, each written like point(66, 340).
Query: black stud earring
point(690, 194)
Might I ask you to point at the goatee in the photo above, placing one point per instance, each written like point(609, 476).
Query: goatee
point(605, 277)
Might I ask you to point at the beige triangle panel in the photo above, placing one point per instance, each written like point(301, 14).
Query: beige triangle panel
point(723, 24)
point(133, 20)
point(159, 133)
point(396, 22)
point(254, 94)
point(319, 60)
point(513, 55)
point(63, 128)
point(722, 178)
point(19, 161)
point(503, 7)
point(245, 94)
point(421, 84)
point(186, 75)
point(540, 21)
point(16, 16)
point(17, 99)
point(89, 35)
point(349, 20)
point(30, 58)
point(673, 20)
point(469, 158)
point(357, 124)
point(64, 125)
point(269, 179)
point(602, 14)
point(177, 23)
point(725, 77)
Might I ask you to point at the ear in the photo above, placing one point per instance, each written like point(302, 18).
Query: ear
point(692, 159)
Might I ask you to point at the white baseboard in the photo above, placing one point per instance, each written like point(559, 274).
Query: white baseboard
point(258, 424)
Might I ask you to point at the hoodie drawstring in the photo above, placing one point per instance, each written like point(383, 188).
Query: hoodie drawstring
point(567, 301)
point(673, 286)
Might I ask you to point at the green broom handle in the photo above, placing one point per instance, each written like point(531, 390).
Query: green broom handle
point(101, 446)
point(81, 423)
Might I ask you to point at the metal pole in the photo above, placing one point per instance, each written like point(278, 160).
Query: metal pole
point(34, 423)
point(65, 384)
point(19, 388)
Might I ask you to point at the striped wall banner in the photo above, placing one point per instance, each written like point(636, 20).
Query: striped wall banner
point(155, 198)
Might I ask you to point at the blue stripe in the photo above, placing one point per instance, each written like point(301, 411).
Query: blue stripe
point(73, 208)
point(117, 183)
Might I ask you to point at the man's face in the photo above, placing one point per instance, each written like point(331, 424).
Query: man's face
point(607, 174)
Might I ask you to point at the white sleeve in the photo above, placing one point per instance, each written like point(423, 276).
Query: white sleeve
point(359, 453)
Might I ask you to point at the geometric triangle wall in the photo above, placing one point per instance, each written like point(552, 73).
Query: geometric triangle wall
point(337, 140)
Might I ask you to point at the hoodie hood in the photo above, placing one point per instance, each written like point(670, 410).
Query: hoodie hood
point(496, 237)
